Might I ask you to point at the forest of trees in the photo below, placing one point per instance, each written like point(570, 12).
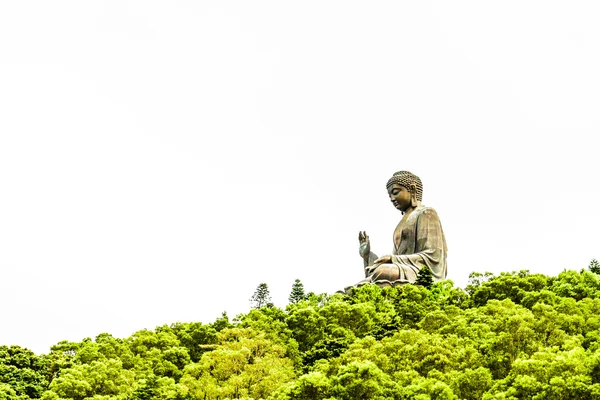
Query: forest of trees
point(510, 336)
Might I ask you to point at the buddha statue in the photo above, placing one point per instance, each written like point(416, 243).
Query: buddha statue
point(418, 239)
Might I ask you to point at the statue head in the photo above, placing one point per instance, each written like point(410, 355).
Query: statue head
point(409, 181)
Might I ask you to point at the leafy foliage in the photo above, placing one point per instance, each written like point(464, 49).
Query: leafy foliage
point(512, 336)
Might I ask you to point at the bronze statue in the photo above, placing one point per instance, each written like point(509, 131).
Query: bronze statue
point(418, 239)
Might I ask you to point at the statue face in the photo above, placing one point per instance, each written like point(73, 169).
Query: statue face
point(400, 197)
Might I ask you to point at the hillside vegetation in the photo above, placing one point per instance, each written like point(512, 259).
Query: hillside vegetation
point(513, 336)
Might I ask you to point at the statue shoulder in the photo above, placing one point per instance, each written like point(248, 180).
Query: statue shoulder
point(426, 211)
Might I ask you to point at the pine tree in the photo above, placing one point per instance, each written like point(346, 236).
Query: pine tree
point(297, 293)
point(425, 278)
point(594, 266)
point(261, 296)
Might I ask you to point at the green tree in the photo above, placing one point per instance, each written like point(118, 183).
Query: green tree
point(104, 378)
point(363, 380)
point(222, 322)
point(21, 371)
point(194, 336)
point(508, 285)
point(424, 278)
point(297, 293)
point(155, 388)
point(159, 353)
point(308, 326)
point(8, 393)
point(594, 266)
point(471, 384)
point(261, 296)
point(577, 285)
point(476, 279)
point(246, 364)
point(311, 386)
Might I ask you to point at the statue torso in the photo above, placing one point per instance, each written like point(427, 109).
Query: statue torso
point(405, 234)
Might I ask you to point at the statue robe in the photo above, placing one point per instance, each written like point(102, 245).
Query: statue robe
point(418, 242)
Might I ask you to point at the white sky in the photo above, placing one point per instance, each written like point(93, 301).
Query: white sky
point(159, 160)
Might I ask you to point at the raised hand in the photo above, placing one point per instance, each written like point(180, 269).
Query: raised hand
point(365, 245)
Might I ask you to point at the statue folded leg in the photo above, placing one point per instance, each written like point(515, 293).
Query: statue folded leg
point(391, 275)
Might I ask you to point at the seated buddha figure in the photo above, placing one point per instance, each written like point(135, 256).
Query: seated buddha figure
point(418, 239)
